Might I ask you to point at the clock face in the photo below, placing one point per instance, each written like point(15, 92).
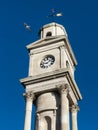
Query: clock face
point(47, 61)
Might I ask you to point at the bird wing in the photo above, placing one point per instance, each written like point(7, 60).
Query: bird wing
point(59, 14)
point(25, 24)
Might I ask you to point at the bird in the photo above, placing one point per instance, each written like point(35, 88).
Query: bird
point(59, 14)
point(54, 14)
point(27, 26)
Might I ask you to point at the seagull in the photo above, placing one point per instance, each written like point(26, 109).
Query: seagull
point(54, 14)
point(27, 26)
point(59, 14)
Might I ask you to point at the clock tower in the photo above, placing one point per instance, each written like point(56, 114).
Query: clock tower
point(50, 84)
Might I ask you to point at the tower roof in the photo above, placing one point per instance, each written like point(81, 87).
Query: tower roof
point(52, 29)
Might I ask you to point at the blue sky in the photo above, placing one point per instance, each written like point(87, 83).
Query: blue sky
point(80, 18)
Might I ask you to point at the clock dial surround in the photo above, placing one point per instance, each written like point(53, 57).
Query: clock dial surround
point(47, 61)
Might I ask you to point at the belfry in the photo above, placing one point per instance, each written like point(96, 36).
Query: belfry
point(50, 84)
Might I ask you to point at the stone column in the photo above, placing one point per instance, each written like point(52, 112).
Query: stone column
point(29, 99)
point(74, 110)
point(64, 107)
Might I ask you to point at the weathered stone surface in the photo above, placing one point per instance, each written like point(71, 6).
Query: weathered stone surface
point(50, 83)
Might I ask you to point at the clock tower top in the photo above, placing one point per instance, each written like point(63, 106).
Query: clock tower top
point(52, 29)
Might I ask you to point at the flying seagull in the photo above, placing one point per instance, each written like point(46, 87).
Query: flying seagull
point(59, 14)
point(27, 26)
point(54, 14)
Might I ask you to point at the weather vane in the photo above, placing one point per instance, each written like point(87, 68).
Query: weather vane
point(54, 14)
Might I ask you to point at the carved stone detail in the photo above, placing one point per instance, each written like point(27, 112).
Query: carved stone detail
point(64, 89)
point(29, 95)
point(74, 108)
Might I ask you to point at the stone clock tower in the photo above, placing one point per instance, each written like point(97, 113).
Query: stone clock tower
point(50, 84)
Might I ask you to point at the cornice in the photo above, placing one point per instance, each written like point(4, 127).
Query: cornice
point(45, 76)
point(53, 75)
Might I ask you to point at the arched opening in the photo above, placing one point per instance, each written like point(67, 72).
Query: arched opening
point(49, 34)
point(48, 122)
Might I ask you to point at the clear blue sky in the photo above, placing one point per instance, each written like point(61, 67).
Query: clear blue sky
point(80, 18)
